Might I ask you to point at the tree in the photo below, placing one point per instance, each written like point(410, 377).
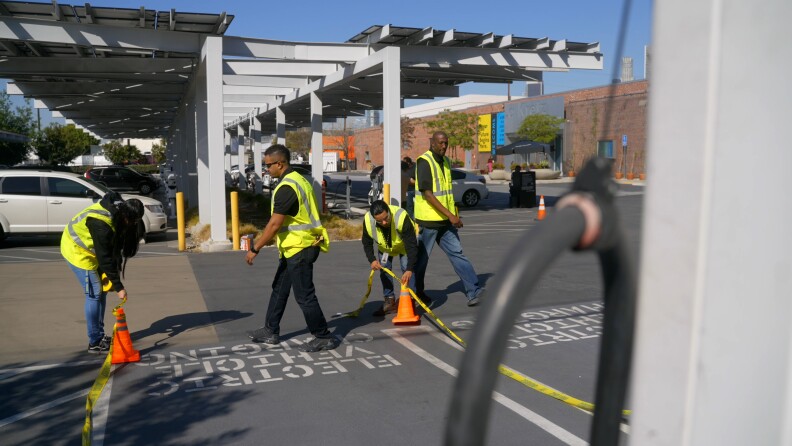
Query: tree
point(540, 128)
point(460, 127)
point(299, 140)
point(58, 145)
point(158, 151)
point(407, 132)
point(119, 153)
point(20, 122)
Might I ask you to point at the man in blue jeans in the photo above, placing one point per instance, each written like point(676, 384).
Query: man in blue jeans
point(435, 212)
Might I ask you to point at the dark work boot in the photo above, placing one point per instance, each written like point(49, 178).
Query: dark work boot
point(388, 307)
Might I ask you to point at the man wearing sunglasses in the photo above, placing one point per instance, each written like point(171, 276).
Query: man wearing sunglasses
point(300, 236)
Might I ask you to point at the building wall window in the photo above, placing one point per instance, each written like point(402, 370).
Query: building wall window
point(605, 149)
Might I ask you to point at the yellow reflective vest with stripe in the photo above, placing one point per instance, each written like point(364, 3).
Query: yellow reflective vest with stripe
point(398, 217)
point(77, 246)
point(302, 230)
point(441, 188)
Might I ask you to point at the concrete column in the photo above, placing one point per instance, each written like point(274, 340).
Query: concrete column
point(258, 150)
point(241, 157)
point(210, 142)
point(280, 125)
point(713, 354)
point(391, 122)
point(317, 165)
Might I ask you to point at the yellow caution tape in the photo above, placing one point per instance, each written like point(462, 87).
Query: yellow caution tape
point(98, 386)
point(356, 313)
point(506, 371)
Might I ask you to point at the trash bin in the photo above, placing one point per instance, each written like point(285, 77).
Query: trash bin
point(527, 193)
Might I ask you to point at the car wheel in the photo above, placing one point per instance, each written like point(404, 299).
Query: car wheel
point(145, 188)
point(470, 198)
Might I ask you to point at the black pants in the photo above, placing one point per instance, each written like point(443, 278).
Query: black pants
point(514, 198)
point(297, 272)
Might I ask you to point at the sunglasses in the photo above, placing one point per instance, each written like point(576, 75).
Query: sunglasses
point(267, 165)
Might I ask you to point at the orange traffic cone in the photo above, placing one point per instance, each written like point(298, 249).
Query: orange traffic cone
point(542, 213)
point(122, 342)
point(406, 314)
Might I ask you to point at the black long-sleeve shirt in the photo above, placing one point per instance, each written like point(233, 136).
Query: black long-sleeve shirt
point(408, 236)
point(103, 239)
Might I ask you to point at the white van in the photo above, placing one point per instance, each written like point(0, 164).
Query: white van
point(34, 202)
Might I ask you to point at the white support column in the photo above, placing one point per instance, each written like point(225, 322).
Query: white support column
point(210, 143)
point(391, 123)
point(255, 134)
point(713, 354)
point(280, 125)
point(317, 165)
point(241, 155)
point(228, 147)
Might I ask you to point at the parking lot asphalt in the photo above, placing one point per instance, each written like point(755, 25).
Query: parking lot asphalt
point(202, 381)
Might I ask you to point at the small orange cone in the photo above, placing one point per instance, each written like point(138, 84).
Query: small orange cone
point(542, 213)
point(406, 314)
point(122, 342)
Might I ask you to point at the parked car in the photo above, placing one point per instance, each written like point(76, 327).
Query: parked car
point(469, 188)
point(123, 179)
point(34, 202)
point(302, 169)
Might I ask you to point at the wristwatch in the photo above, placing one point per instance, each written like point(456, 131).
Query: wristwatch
point(253, 249)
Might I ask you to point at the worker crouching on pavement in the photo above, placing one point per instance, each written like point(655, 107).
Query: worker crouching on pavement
point(99, 240)
point(393, 232)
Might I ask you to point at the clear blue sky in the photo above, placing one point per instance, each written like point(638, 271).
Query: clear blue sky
point(323, 21)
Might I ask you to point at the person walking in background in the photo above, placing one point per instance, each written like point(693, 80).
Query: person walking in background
point(514, 187)
point(408, 185)
point(300, 237)
point(435, 212)
point(98, 242)
point(392, 231)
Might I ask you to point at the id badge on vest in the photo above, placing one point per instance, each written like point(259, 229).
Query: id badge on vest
point(385, 258)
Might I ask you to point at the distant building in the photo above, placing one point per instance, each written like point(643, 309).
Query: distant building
point(627, 69)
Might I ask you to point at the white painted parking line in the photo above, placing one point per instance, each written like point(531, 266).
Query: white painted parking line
point(540, 421)
point(43, 407)
point(42, 251)
point(23, 258)
point(5, 373)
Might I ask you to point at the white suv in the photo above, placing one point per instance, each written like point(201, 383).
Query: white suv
point(44, 201)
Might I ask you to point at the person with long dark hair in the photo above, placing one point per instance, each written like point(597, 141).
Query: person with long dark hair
point(97, 243)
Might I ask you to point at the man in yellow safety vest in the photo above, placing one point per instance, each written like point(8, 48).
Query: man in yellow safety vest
point(435, 213)
point(392, 231)
point(300, 236)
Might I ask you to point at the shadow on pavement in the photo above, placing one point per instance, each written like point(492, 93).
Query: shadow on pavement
point(172, 326)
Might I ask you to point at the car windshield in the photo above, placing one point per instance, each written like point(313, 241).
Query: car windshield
point(99, 186)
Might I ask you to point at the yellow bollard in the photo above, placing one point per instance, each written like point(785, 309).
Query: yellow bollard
point(386, 192)
point(180, 220)
point(235, 220)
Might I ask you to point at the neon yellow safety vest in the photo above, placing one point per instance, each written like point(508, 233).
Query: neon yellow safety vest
point(398, 217)
point(77, 246)
point(300, 231)
point(441, 188)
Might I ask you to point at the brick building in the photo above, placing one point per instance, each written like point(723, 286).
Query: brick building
point(587, 132)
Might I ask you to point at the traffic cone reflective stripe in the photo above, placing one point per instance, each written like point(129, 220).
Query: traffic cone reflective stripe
point(406, 314)
point(542, 213)
point(122, 342)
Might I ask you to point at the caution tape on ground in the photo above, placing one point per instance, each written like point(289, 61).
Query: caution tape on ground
point(356, 313)
point(98, 386)
point(505, 371)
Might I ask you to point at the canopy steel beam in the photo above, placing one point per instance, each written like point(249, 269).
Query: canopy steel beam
point(277, 67)
point(277, 49)
point(90, 35)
